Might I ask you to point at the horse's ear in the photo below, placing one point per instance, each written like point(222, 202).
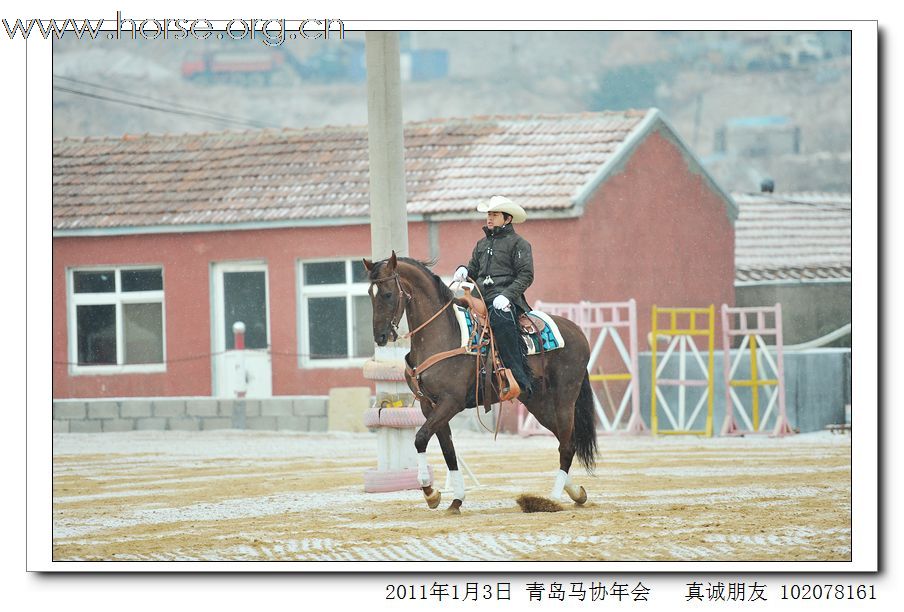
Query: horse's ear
point(393, 261)
point(368, 264)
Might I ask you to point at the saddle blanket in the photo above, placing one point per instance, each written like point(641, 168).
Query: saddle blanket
point(550, 335)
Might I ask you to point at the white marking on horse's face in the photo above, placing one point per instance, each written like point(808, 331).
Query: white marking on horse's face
point(373, 291)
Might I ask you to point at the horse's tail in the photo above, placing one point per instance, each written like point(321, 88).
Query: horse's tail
point(585, 426)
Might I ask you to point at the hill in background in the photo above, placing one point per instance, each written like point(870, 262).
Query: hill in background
point(752, 105)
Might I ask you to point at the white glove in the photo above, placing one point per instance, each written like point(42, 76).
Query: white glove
point(501, 302)
point(460, 275)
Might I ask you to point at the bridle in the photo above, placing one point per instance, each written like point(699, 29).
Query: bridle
point(402, 305)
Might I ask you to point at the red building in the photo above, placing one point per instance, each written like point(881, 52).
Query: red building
point(160, 243)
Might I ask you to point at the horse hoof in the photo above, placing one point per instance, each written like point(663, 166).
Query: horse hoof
point(454, 507)
point(432, 496)
point(579, 499)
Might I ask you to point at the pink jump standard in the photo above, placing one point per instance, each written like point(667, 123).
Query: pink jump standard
point(751, 324)
point(599, 321)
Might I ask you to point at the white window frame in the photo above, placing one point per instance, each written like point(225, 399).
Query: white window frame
point(347, 290)
point(117, 298)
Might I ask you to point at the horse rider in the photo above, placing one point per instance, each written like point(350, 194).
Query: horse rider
point(503, 267)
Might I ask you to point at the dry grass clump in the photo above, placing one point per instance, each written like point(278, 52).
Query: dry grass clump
point(535, 503)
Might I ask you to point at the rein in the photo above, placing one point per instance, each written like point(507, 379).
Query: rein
point(428, 321)
point(415, 372)
point(397, 317)
point(489, 365)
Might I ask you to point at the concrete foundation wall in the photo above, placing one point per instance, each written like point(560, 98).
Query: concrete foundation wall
point(809, 310)
point(817, 389)
point(302, 413)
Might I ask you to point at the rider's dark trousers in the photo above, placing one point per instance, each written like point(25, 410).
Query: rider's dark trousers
point(509, 343)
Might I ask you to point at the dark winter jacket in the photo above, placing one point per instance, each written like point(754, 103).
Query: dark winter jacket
point(506, 257)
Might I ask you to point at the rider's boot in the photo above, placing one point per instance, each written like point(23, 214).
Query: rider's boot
point(510, 347)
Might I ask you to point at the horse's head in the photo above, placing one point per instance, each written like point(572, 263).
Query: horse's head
point(387, 298)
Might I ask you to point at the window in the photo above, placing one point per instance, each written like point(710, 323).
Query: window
point(336, 320)
point(116, 320)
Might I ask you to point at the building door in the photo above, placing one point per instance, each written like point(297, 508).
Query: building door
point(240, 294)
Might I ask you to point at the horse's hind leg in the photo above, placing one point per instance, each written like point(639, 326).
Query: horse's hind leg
point(575, 492)
point(547, 413)
point(563, 483)
point(565, 433)
point(444, 434)
point(564, 429)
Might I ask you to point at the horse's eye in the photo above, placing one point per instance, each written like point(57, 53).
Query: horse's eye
point(387, 296)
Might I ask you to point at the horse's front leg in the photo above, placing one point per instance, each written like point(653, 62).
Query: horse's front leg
point(444, 434)
point(437, 423)
point(421, 439)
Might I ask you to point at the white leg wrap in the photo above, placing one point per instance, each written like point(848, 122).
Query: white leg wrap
point(458, 484)
point(573, 489)
point(423, 474)
point(559, 486)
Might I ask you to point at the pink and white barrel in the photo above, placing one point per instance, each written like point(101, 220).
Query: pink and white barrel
point(395, 425)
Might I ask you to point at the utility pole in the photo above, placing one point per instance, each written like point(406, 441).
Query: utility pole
point(388, 213)
point(396, 455)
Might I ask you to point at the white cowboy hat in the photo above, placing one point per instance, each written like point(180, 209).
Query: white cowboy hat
point(503, 205)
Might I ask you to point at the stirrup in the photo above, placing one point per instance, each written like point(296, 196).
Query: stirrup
point(508, 388)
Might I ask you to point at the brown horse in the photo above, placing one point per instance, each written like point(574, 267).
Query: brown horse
point(563, 403)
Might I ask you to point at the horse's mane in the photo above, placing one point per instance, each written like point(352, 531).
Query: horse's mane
point(423, 266)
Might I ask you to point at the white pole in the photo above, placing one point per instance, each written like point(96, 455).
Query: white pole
point(388, 215)
point(389, 232)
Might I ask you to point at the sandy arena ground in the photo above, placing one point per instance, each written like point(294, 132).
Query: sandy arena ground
point(242, 496)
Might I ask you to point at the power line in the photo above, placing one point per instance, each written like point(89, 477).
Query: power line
point(175, 105)
point(172, 110)
point(144, 106)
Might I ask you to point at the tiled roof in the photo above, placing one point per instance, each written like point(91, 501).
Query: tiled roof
point(792, 236)
point(308, 174)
